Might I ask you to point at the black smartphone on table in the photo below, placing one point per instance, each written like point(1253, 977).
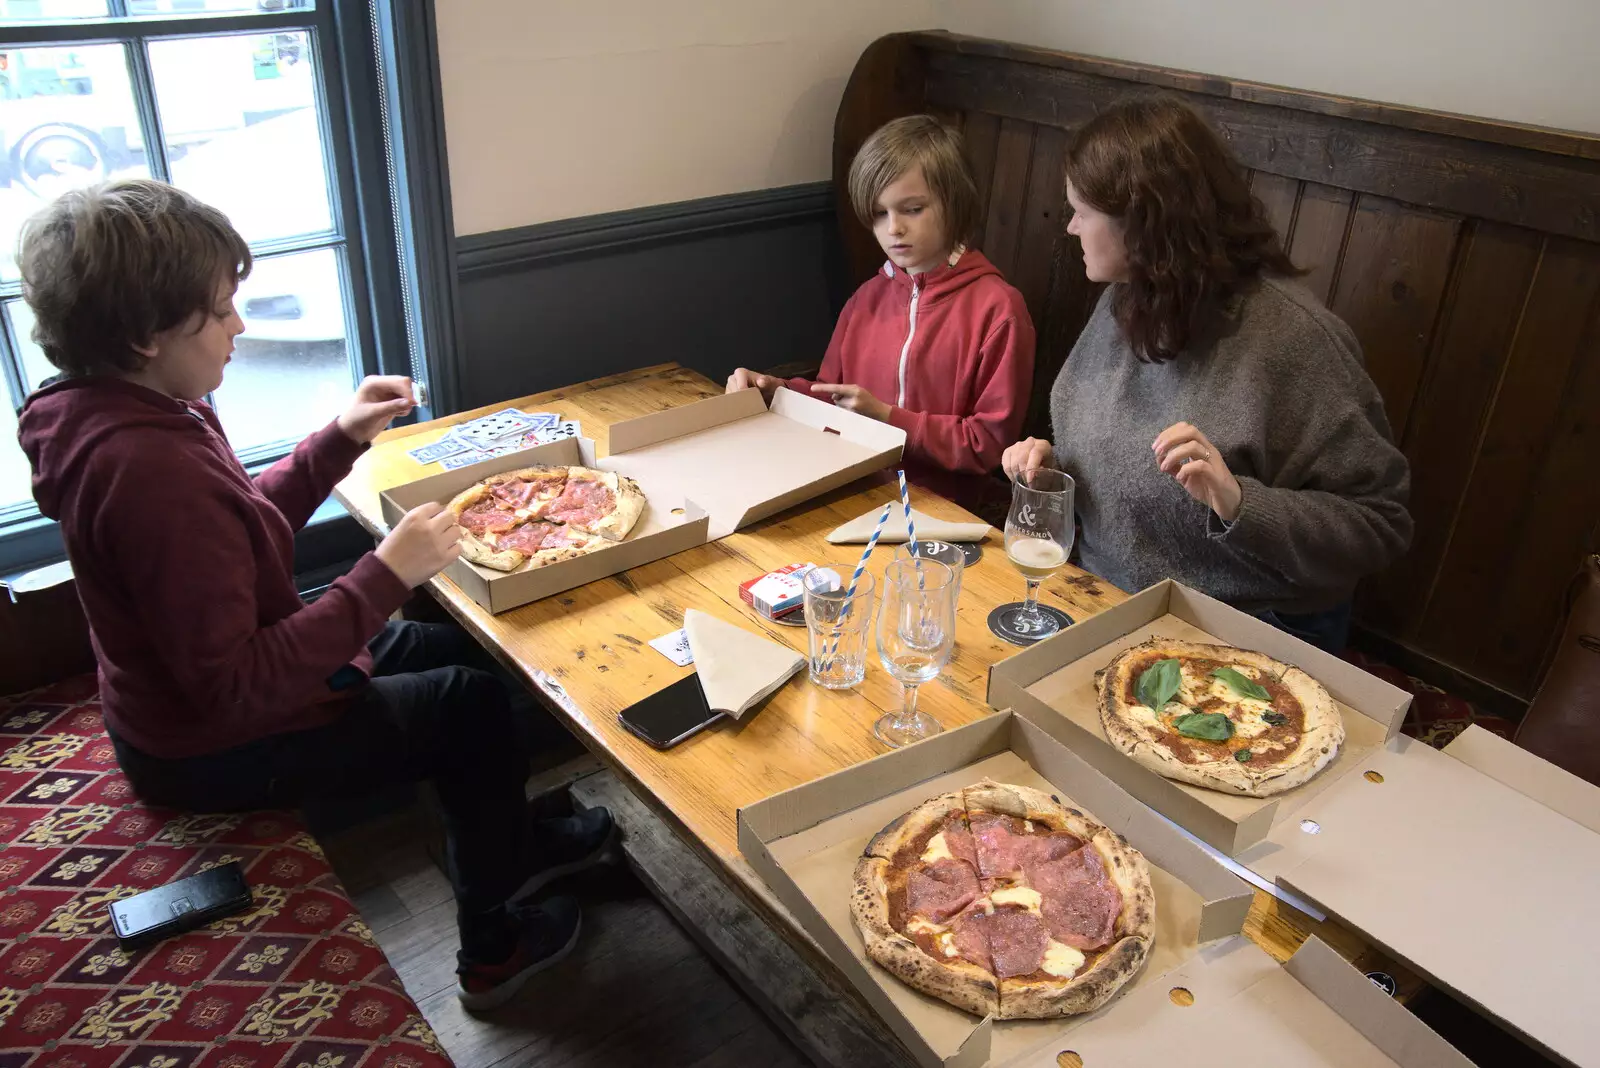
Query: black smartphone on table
point(180, 906)
point(668, 717)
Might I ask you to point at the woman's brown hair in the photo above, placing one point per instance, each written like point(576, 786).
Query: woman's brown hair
point(107, 268)
point(917, 141)
point(1194, 233)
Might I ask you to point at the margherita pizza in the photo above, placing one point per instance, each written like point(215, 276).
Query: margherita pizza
point(1215, 716)
point(541, 515)
point(1005, 901)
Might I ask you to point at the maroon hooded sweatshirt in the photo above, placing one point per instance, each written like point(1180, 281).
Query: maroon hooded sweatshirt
point(951, 350)
point(185, 567)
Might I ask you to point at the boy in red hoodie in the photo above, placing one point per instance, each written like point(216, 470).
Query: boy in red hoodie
point(221, 689)
point(936, 342)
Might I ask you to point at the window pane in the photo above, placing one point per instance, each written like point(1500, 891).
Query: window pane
point(51, 10)
point(291, 369)
point(67, 119)
point(15, 484)
point(240, 118)
point(168, 9)
point(35, 368)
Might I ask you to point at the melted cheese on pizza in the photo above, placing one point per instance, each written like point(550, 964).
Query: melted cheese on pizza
point(937, 849)
point(1061, 960)
point(1025, 896)
point(923, 925)
point(1247, 713)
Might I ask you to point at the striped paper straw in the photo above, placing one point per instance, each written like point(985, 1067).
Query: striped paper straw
point(855, 577)
point(911, 530)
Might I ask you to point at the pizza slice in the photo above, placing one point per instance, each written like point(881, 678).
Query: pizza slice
point(1219, 717)
point(598, 502)
point(507, 550)
point(564, 543)
point(528, 490)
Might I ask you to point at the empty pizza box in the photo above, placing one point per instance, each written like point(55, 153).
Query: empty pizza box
point(1206, 997)
point(1476, 865)
point(707, 469)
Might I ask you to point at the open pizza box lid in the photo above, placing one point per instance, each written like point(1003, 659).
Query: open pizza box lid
point(1055, 679)
point(1478, 865)
point(1317, 1010)
point(707, 469)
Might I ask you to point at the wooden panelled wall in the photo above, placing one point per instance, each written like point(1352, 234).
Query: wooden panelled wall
point(1464, 253)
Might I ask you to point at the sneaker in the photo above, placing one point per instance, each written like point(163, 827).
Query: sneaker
point(561, 847)
point(549, 933)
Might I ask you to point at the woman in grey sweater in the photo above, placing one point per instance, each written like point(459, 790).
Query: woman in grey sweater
point(1218, 420)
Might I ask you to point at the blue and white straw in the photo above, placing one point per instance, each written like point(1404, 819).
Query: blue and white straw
point(911, 531)
point(855, 577)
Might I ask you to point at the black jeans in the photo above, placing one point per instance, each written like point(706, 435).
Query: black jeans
point(424, 716)
point(1328, 630)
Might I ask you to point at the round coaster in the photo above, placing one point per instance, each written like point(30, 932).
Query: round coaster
point(1001, 630)
point(797, 618)
point(971, 550)
point(1384, 982)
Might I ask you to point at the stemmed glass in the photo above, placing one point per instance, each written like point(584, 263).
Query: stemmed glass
point(1039, 534)
point(916, 633)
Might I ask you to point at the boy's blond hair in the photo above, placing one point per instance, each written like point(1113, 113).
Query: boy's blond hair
point(107, 268)
point(918, 141)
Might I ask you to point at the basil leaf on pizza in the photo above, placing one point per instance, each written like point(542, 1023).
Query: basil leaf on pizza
point(1207, 726)
point(1242, 684)
point(1160, 683)
point(1243, 723)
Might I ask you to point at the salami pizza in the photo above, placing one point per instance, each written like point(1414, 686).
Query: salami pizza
point(1005, 901)
point(1215, 716)
point(534, 516)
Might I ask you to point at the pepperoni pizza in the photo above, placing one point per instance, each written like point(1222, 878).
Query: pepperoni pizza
point(1215, 716)
point(1005, 901)
point(535, 516)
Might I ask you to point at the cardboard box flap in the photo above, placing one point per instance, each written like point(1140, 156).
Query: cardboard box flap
point(1553, 787)
point(1475, 884)
point(1232, 1006)
point(742, 462)
point(1382, 1020)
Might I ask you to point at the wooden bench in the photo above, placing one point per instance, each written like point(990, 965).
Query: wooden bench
point(1465, 253)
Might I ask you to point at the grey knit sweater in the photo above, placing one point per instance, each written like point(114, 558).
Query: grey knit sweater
point(1280, 389)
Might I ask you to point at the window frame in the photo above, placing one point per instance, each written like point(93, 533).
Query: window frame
point(381, 116)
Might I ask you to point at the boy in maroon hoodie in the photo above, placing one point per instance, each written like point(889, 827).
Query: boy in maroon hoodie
point(221, 689)
point(936, 342)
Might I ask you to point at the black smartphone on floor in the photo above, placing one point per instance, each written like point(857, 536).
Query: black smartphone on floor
point(666, 718)
point(146, 918)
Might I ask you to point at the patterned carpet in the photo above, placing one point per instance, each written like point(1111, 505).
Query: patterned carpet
point(297, 982)
point(1436, 717)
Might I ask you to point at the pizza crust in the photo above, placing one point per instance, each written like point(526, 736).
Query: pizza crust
point(1317, 748)
point(959, 982)
point(930, 815)
point(476, 551)
point(628, 505)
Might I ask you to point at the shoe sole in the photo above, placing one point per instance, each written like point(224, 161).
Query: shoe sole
point(600, 855)
point(493, 999)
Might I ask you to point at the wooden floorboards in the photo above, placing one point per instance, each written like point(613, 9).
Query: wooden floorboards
point(636, 991)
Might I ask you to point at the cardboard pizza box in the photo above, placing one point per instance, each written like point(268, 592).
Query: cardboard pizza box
point(1207, 996)
point(707, 469)
point(1056, 678)
point(1477, 865)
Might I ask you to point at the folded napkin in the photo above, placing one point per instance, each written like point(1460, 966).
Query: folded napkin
point(736, 668)
point(859, 530)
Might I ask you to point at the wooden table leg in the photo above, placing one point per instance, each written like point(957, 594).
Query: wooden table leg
point(826, 1021)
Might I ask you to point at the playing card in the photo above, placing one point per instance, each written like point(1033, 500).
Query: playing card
point(675, 647)
point(490, 431)
point(540, 419)
point(436, 451)
point(462, 459)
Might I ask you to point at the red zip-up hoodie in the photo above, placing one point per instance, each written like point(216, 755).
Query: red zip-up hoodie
point(952, 350)
point(185, 567)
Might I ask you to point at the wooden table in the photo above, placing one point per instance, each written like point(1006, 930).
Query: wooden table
point(585, 650)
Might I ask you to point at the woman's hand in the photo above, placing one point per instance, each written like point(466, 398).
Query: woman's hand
point(1026, 457)
point(744, 378)
point(1188, 455)
point(378, 399)
point(854, 399)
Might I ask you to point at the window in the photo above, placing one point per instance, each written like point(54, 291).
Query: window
point(265, 109)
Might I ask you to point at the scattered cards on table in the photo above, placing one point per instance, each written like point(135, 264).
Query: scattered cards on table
point(675, 647)
point(508, 430)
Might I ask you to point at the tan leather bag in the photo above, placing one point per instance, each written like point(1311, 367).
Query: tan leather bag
point(1563, 723)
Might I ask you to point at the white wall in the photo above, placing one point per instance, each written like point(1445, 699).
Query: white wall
point(562, 108)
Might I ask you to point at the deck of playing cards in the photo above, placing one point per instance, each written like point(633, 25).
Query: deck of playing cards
point(777, 593)
point(508, 430)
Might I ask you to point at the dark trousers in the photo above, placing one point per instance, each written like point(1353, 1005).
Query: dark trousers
point(424, 716)
point(1329, 630)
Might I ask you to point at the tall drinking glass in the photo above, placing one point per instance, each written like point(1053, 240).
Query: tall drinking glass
point(916, 633)
point(1039, 534)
